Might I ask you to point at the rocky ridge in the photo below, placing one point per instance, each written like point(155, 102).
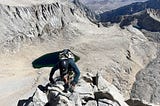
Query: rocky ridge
point(118, 53)
point(88, 92)
point(146, 86)
point(147, 19)
point(36, 23)
point(91, 15)
point(100, 6)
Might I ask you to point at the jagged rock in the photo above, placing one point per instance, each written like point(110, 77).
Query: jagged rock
point(39, 98)
point(105, 102)
point(76, 98)
point(85, 94)
point(120, 53)
point(91, 103)
point(105, 86)
point(84, 88)
point(146, 87)
point(88, 12)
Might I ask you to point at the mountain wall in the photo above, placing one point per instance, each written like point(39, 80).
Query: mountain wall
point(147, 19)
point(100, 6)
point(35, 23)
point(146, 86)
point(91, 15)
point(142, 15)
point(129, 9)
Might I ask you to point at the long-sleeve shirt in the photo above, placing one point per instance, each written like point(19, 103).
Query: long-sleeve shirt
point(72, 66)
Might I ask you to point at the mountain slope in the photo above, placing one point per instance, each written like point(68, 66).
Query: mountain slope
point(100, 6)
point(28, 32)
point(148, 78)
point(141, 15)
point(147, 19)
point(130, 9)
point(20, 25)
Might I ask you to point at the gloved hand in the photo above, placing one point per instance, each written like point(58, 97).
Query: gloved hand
point(51, 80)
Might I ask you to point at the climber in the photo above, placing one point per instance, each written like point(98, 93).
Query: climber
point(67, 67)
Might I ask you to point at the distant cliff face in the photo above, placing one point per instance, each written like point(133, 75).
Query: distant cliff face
point(144, 14)
point(21, 24)
point(100, 6)
point(130, 9)
point(148, 19)
point(26, 23)
point(91, 15)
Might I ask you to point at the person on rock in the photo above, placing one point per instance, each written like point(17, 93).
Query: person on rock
point(67, 68)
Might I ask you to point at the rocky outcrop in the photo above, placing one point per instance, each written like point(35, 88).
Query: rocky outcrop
point(154, 13)
point(146, 87)
point(152, 36)
point(87, 93)
point(91, 15)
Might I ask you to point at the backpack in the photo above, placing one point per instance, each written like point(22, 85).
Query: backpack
point(66, 54)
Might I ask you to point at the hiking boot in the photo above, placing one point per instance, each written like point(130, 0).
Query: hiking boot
point(65, 91)
point(66, 86)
